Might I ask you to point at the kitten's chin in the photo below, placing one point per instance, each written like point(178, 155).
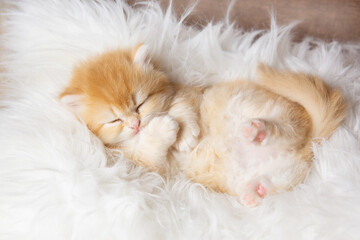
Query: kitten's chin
point(134, 133)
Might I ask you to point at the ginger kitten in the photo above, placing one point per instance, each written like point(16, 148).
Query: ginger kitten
point(125, 102)
point(248, 139)
point(256, 136)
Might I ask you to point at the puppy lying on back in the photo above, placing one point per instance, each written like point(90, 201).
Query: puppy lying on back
point(248, 139)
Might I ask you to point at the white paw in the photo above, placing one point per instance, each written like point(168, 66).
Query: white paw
point(255, 131)
point(164, 128)
point(254, 192)
point(189, 138)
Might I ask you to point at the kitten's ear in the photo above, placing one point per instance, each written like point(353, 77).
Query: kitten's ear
point(141, 55)
point(74, 102)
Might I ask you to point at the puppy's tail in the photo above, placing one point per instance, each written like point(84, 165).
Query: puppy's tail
point(325, 106)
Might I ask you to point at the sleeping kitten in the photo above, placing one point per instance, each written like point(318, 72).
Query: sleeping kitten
point(251, 139)
point(125, 102)
point(256, 136)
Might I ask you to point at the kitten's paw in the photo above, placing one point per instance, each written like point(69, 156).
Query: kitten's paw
point(189, 138)
point(253, 194)
point(164, 128)
point(255, 131)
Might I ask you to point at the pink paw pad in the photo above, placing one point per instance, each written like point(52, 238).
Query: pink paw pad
point(255, 132)
point(261, 190)
point(250, 200)
point(260, 137)
point(254, 194)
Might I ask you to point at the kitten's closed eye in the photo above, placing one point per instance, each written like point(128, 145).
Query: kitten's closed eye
point(139, 99)
point(139, 106)
point(118, 120)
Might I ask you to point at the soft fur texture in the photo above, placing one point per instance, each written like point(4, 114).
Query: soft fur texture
point(118, 97)
point(241, 137)
point(133, 107)
point(54, 182)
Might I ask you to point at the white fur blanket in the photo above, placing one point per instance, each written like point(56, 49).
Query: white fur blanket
point(54, 182)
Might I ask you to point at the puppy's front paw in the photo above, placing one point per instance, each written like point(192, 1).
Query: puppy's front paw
point(188, 138)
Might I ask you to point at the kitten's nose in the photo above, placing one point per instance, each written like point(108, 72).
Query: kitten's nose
point(134, 123)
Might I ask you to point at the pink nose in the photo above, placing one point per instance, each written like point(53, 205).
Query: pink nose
point(134, 124)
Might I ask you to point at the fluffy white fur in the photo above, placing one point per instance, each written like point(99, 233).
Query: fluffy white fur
point(54, 182)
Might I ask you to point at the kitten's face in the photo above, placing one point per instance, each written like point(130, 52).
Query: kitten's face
point(117, 94)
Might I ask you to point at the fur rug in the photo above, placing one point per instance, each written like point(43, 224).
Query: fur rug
point(54, 178)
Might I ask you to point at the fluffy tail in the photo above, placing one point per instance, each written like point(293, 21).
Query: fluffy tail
point(325, 106)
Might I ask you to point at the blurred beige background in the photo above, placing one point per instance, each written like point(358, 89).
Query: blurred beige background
point(2, 88)
point(2, 7)
point(326, 19)
point(1, 31)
